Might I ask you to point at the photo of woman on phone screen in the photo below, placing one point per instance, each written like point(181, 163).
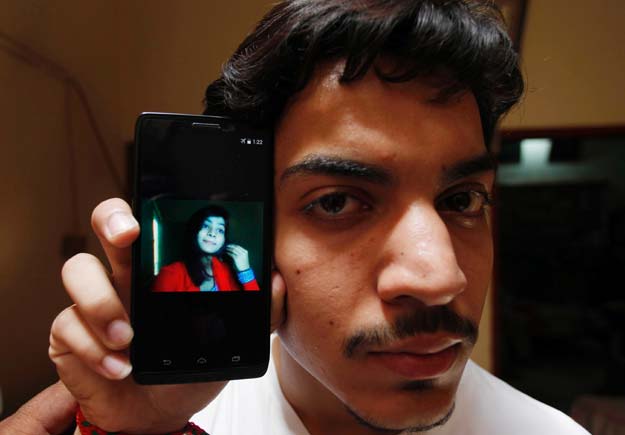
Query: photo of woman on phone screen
point(210, 263)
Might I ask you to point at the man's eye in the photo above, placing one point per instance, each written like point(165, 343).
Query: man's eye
point(335, 205)
point(469, 203)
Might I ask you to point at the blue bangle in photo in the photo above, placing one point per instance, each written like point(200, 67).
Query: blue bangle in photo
point(246, 276)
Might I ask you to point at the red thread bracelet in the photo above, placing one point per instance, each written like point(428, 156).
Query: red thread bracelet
point(87, 428)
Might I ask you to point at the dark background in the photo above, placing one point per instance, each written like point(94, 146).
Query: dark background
point(560, 291)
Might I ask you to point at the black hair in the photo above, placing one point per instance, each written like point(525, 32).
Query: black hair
point(193, 255)
point(462, 42)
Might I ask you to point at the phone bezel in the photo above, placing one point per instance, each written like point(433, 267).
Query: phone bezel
point(236, 371)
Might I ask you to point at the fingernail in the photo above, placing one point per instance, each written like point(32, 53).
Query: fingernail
point(119, 332)
point(115, 367)
point(120, 222)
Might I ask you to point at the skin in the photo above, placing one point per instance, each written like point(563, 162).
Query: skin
point(353, 254)
point(48, 413)
point(392, 249)
point(240, 256)
point(212, 235)
point(89, 340)
point(211, 238)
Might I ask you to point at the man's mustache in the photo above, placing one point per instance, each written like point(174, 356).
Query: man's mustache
point(427, 320)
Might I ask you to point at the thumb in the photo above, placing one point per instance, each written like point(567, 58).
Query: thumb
point(278, 298)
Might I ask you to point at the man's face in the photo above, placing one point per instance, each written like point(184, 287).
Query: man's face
point(383, 242)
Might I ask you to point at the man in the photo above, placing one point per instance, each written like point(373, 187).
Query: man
point(382, 110)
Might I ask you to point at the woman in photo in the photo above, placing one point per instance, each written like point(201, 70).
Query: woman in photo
point(209, 263)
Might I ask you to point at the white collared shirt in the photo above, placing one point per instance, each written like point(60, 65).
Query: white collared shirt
point(485, 405)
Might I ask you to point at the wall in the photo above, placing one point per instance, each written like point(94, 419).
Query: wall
point(36, 210)
point(171, 54)
point(130, 58)
point(573, 59)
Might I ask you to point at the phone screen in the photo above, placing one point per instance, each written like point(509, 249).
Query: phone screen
point(201, 266)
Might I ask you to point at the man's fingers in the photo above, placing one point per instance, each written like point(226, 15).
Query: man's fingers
point(70, 337)
point(116, 227)
point(88, 285)
point(278, 296)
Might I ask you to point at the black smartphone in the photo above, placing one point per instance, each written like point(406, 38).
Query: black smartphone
point(201, 278)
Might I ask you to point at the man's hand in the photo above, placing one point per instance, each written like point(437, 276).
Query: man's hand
point(50, 412)
point(88, 340)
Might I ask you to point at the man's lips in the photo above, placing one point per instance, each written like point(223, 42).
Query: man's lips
point(421, 344)
point(421, 357)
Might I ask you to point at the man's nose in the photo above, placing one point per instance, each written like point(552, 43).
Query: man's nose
point(418, 260)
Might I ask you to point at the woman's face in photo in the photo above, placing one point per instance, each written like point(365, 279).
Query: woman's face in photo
point(212, 234)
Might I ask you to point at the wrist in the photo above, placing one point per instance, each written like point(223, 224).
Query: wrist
point(84, 427)
point(242, 266)
point(245, 276)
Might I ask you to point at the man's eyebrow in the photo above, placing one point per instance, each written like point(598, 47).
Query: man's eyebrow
point(337, 166)
point(465, 168)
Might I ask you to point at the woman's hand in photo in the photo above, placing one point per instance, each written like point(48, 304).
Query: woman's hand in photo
point(240, 256)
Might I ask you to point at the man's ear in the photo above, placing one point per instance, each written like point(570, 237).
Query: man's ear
point(278, 299)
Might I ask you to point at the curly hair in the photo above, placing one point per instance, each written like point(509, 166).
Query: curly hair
point(462, 42)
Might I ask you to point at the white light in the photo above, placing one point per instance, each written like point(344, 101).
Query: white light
point(535, 152)
point(155, 245)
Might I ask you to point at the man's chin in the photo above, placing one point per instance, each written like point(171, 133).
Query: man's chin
point(412, 424)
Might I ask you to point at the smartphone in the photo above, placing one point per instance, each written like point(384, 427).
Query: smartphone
point(201, 277)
